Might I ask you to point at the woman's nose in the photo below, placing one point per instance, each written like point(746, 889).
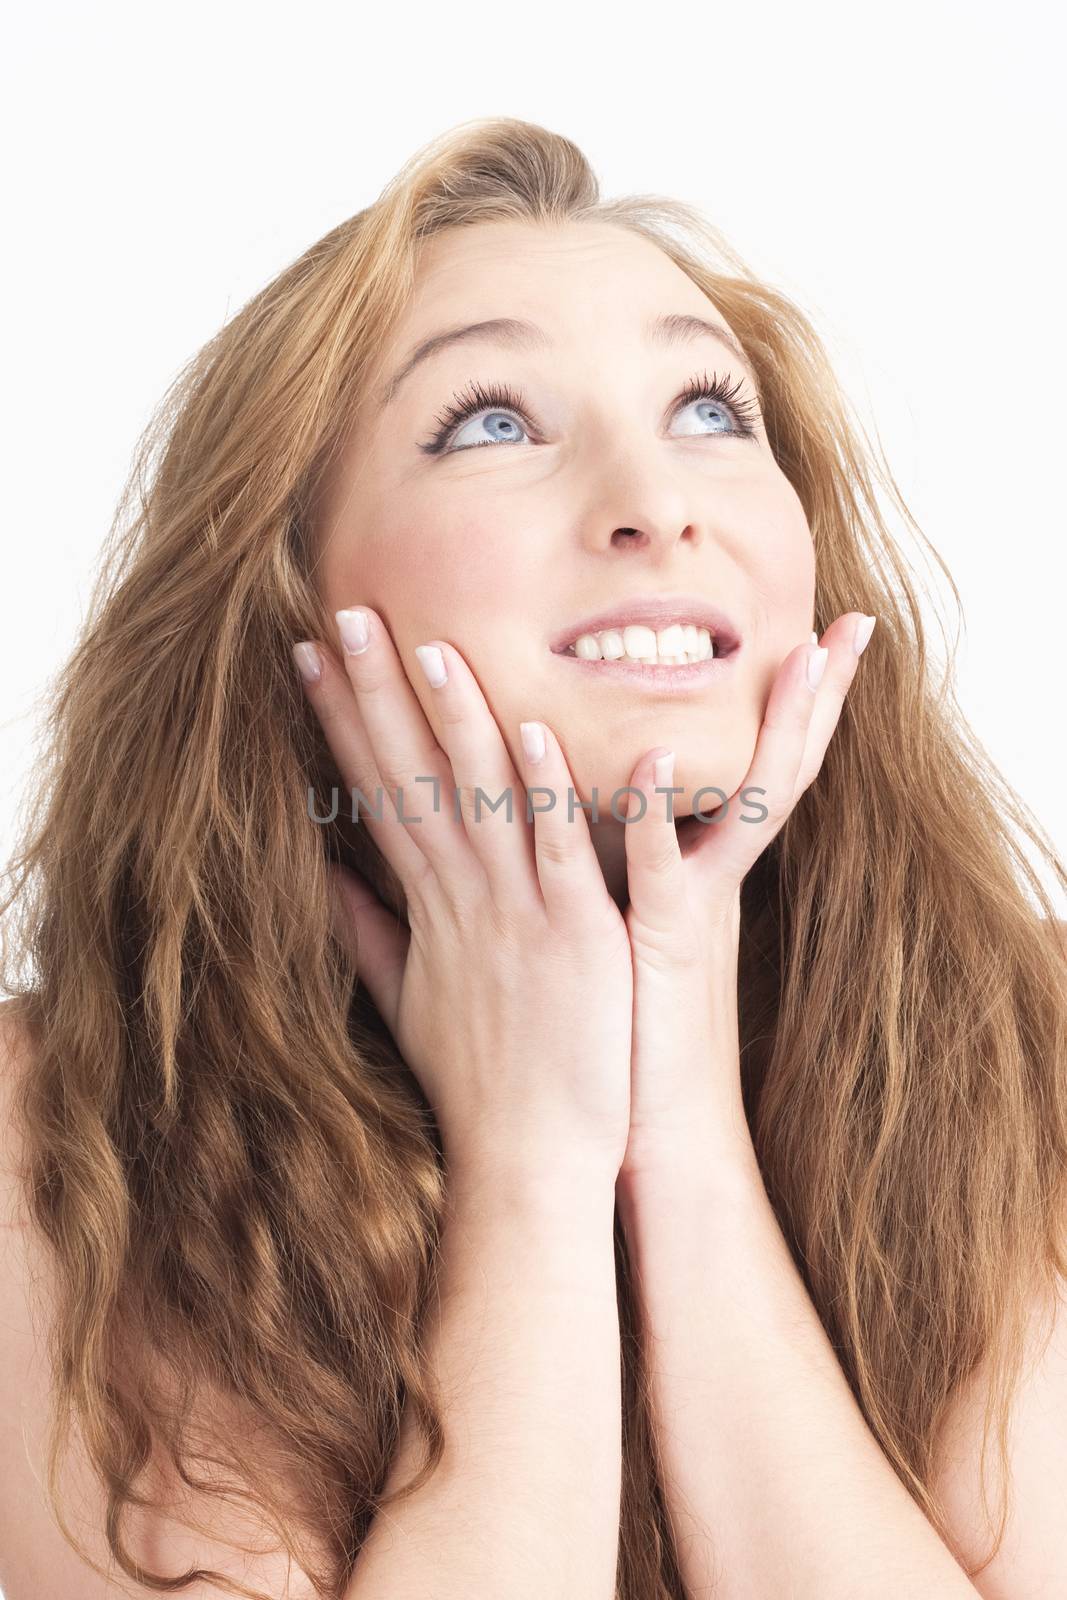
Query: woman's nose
point(636, 503)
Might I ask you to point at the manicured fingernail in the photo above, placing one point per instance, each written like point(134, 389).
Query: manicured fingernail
point(814, 637)
point(533, 741)
point(308, 661)
point(432, 662)
point(816, 667)
point(663, 770)
point(352, 626)
point(864, 629)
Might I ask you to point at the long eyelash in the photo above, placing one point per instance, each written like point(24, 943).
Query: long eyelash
point(744, 409)
point(477, 398)
point(474, 398)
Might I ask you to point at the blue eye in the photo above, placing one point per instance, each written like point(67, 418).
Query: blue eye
point(726, 397)
point(499, 399)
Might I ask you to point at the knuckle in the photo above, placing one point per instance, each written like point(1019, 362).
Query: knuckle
point(662, 856)
point(450, 711)
point(589, 928)
point(595, 948)
point(395, 781)
point(468, 902)
point(554, 849)
point(423, 880)
point(511, 927)
point(472, 808)
point(672, 938)
point(333, 709)
point(369, 672)
point(661, 952)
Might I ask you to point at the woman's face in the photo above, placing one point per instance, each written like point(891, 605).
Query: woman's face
point(602, 487)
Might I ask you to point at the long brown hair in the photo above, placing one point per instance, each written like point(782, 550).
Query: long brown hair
point(241, 1182)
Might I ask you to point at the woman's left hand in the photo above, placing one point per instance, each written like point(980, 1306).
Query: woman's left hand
point(684, 884)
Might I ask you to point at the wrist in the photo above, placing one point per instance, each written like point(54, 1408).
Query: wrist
point(550, 1183)
point(721, 1168)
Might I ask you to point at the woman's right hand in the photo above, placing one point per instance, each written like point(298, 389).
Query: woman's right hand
point(510, 998)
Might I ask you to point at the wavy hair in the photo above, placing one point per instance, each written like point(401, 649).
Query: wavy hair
point(240, 1181)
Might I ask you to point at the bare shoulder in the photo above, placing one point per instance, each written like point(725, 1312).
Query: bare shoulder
point(36, 1562)
point(1032, 1561)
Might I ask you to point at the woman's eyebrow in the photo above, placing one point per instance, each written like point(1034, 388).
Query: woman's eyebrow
point(673, 328)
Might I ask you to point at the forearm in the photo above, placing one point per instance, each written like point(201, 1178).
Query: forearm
point(525, 1346)
point(774, 1481)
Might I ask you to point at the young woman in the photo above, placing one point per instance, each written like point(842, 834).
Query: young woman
point(528, 1073)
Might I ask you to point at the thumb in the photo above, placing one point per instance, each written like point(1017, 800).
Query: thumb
point(374, 937)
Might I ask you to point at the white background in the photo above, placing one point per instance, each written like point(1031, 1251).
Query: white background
point(897, 171)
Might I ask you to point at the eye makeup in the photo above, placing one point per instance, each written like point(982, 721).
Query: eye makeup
point(501, 397)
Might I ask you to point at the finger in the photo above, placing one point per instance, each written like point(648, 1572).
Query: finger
point(655, 870)
point(374, 937)
point(492, 801)
point(732, 844)
point(329, 691)
point(416, 772)
point(568, 870)
point(840, 639)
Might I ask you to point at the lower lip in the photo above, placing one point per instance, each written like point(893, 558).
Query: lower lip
point(662, 680)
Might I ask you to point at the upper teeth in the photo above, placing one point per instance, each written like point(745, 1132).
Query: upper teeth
point(676, 645)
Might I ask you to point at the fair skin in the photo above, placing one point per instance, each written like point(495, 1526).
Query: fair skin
point(608, 1042)
point(682, 514)
point(615, 492)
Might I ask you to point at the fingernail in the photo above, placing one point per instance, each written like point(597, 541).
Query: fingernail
point(308, 661)
point(352, 626)
point(432, 662)
point(533, 741)
point(816, 667)
point(663, 770)
point(864, 629)
point(814, 637)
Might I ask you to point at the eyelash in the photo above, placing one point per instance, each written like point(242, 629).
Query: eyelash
point(500, 397)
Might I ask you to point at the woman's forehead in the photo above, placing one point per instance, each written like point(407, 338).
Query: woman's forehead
point(514, 269)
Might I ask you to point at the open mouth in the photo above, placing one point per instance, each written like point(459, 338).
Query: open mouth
point(677, 645)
